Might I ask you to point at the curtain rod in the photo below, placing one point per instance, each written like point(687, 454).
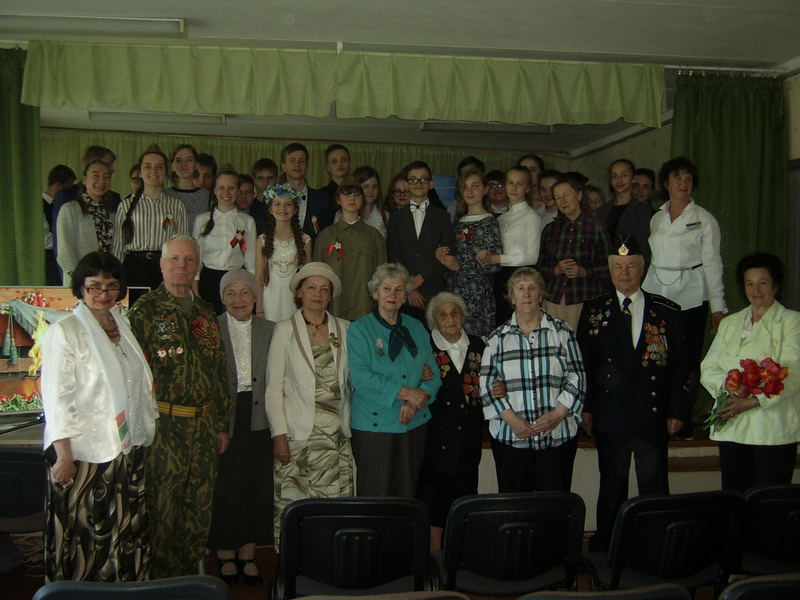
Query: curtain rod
point(724, 69)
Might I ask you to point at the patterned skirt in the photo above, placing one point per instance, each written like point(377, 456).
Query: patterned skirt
point(320, 467)
point(96, 527)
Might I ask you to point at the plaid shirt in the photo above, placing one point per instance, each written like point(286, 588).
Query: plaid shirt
point(586, 241)
point(539, 371)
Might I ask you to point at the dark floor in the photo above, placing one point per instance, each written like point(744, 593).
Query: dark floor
point(22, 583)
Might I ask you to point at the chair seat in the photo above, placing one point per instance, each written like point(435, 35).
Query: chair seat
point(10, 556)
point(311, 587)
point(759, 565)
point(630, 579)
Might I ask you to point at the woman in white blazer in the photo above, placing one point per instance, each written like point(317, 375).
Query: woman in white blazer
point(308, 395)
point(97, 393)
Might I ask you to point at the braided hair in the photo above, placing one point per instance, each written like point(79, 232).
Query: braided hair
point(127, 224)
point(268, 237)
point(214, 201)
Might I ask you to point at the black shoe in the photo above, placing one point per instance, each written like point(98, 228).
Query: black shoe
point(233, 577)
point(249, 579)
point(685, 433)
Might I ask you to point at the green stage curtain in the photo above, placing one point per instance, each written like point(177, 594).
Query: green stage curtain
point(67, 146)
point(21, 230)
point(734, 129)
point(264, 81)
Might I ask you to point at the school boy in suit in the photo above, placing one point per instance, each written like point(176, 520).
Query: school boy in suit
point(412, 236)
point(633, 350)
point(314, 208)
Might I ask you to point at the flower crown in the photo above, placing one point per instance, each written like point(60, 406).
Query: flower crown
point(282, 190)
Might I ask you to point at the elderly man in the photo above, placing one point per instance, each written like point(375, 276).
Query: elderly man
point(633, 350)
point(179, 334)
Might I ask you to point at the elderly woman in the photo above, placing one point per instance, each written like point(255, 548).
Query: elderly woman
point(534, 428)
point(574, 255)
point(455, 431)
point(242, 515)
point(686, 263)
point(388, 354)
point(758, 442)
point(308, 399)
point(97, 392)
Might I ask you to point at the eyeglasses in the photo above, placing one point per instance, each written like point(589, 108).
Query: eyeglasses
point(415, 180)
point(400, 192)
point(98, 290)
point(496, 186)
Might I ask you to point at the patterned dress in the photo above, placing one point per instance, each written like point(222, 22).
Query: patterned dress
point(320, 467)
point(473, 280)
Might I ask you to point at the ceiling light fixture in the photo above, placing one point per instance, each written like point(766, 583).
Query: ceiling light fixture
point(35, 25)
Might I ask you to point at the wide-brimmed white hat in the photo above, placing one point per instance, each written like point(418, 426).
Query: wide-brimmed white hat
point(317, 269)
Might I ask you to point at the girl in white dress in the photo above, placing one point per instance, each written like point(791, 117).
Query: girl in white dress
point(280, 251)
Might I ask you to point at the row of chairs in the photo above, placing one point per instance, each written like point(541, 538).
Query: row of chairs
point(512, 544)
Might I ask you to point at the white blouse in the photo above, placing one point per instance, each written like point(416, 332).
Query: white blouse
point(521, 232)
point(686, 265)
point(216, 249)
point(241, 333)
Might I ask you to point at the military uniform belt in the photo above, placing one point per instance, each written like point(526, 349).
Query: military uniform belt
point(176, 410)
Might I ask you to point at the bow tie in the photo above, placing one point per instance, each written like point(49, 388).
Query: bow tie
point(420, 207)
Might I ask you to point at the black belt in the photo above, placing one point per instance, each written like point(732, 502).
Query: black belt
point(148, 254)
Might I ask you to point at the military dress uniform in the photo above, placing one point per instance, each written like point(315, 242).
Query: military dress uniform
point(631, 392)
point(181, 340)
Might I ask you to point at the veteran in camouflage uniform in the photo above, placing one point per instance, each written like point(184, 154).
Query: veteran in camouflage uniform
point(179, 334)
point(633, 350)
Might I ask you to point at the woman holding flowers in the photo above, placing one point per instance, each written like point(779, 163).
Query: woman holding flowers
point(757, 418)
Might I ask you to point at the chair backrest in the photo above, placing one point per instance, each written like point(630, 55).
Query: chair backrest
point(23, 489)
point(783, 587)
point(513, 537)
point(353, 543)
point(191, 587)
point(663, 591)
point(677, 536)
point(773, 514)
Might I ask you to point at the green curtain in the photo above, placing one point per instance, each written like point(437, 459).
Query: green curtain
point(265, 81)
point(21, 230)
point(734, 129)
point(67, 146)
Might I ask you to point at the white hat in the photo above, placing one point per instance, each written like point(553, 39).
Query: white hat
point(320, 269)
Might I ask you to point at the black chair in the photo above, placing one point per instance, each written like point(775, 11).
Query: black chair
point(23, 490)
point(353, 546)
point(769, 587)
point(512, 544)
point(663, 591)
point(191, 587)
point(688, 539)
point(400, 596)
point(772, 545)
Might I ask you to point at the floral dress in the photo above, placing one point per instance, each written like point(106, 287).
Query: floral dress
point(473, 280)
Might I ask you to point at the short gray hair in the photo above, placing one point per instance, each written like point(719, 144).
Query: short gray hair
point(185, 238)
point(390, 271)
point(437, 301)
point(611, 259)
point(525, 273)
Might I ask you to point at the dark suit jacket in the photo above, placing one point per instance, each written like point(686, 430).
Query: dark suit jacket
point(631, 390)
point(261, 335)
point(634, 221)
point(319, 206)
point(418, 255)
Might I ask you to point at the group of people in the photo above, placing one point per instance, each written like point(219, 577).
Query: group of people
point(336, 347)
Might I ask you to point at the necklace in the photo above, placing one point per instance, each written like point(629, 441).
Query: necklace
point(316, 326)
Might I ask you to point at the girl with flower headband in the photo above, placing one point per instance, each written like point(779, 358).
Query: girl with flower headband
point(227, 239)
point(280, 251)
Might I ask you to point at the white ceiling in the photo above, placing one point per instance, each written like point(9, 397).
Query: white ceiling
point(761, 35)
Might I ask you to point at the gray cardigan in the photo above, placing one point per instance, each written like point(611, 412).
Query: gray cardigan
point(261, 336)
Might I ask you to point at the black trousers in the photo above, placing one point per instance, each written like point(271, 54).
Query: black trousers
point(529, 470)
point(614, 461)
point(208, 286)
point(746, 465)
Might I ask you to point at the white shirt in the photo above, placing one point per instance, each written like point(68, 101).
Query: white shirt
point(374, 219)
point(48, 235)
point(636, 309)
point(302, 205)
point(686, 265)
point(521, 232)
point(217, 252)
point(457, 352)
point(545, 215)
point(419, 215)
point(241, 333)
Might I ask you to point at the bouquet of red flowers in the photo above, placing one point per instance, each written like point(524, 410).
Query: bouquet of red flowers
point(754, 378)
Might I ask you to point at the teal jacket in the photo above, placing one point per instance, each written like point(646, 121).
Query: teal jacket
point(377, 380)
point(776, 336)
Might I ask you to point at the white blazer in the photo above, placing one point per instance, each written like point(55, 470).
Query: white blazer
point(291, 381)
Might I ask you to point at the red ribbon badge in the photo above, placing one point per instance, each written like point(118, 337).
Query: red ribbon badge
point(465, 233)
point(337, 246)
point(239, 239)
